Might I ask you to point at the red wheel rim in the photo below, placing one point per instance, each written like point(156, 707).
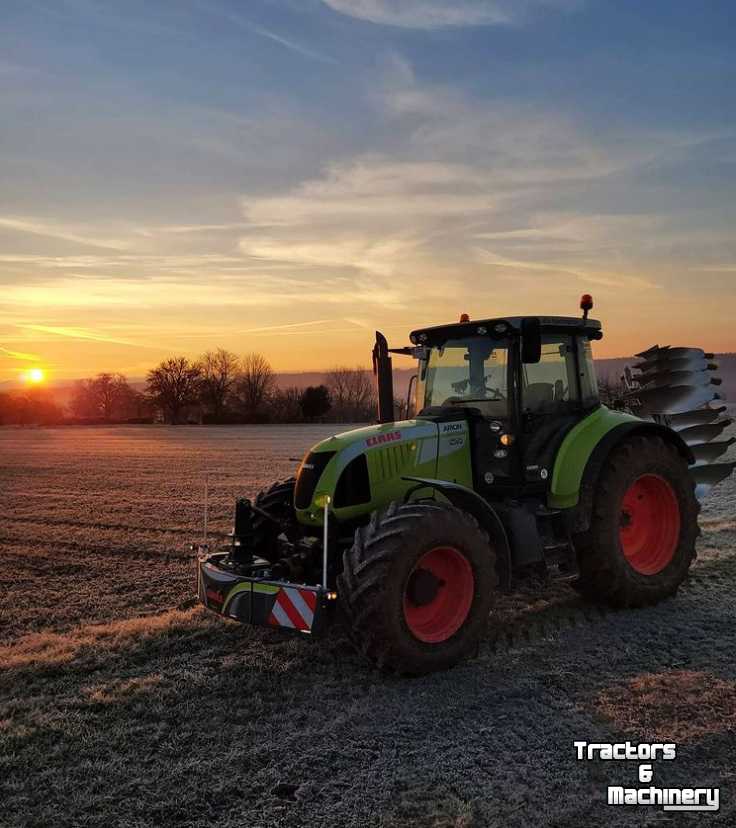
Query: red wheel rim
point(449, 586)
point(650, 524)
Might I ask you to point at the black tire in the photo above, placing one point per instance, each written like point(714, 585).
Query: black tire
point(278, 501)
point(606, 573)
point(377, 569)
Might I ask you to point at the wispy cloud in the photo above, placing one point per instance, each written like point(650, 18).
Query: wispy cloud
point(37, 227)
point(19, 355)
point(552, 268)
point(435, 14)
point(77, 333)
point(185, 229)
point(269, 328)
point(288, 43)
point(724, 268)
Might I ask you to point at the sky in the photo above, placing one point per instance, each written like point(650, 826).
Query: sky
point(287, 176)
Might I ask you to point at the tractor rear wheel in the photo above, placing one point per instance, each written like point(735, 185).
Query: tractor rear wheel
point(278, 501)
point(643, 528)
point(417, 587)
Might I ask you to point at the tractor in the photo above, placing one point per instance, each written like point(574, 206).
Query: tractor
point(510, 468)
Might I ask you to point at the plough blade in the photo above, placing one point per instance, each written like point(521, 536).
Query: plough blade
point(712, 473)
point(697, 417)
point(696, 435)
point(675, 400)
point(682, 364)
point(710, 452)
point(671, 379)
point(663, 352)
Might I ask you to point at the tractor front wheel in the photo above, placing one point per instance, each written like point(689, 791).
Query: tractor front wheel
point(643, 528)
point(417, 587)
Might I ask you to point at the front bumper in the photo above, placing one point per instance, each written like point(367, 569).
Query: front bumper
point(261, 602)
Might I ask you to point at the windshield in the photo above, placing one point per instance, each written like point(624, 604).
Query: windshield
point(465, 372)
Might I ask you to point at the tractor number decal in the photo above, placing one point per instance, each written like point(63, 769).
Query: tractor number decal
point(294, 608)
point(383, 438)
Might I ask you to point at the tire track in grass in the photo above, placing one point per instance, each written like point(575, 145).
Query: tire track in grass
point(528, 626)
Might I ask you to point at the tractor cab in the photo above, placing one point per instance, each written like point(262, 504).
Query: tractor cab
point(520, 383)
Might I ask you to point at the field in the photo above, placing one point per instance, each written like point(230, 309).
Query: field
point(122, 703)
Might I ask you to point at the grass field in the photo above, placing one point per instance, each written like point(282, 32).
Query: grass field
point(122, 703)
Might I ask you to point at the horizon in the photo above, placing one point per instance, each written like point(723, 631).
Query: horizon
point(288, 177)
point(50, 382)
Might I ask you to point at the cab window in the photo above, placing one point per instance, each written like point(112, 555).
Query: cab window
point(470, 373)
point(550, 385)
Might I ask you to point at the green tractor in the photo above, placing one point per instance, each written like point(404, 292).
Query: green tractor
point(510, 468)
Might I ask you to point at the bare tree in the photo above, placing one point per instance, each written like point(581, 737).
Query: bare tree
point(107, 396)
point(284, 404)
point(83, 402)
point(113, 393)
point(173, 385)
point(253, 386)
point(352, 393)
point(33, 406)
point(219, 374)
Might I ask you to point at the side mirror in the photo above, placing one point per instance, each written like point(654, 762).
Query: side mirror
point(531, 340)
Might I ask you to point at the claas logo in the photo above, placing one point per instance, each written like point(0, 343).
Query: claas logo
point(383, 438)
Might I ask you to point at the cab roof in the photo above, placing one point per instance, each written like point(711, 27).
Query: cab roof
point(503, 327)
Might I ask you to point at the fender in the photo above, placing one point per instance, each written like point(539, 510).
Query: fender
point(470, 501)
point(584, 507)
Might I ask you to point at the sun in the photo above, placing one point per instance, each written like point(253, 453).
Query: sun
point(34, 376)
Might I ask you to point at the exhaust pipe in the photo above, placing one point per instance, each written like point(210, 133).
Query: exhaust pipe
point(383, 372)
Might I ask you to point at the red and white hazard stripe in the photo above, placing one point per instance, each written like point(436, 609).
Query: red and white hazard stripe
point(293, 608)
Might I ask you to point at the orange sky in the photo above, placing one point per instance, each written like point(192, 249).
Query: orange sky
point(107, 331)
point(289, 177)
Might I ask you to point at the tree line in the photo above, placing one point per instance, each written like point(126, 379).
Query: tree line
point(219, 387)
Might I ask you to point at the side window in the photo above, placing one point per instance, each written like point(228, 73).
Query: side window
point(588, 381)
point(550, 385)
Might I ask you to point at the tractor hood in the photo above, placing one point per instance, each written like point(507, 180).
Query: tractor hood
point(362, 469)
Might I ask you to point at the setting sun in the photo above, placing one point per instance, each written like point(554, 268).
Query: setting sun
point(34, 376)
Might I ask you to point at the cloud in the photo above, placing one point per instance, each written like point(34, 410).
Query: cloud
point(374, 188)
point(185, 229)
point(77, 235)
point(435, 14)
point(584, 274)
point(726, 268)
point(292, 45)
point(19, 355)
point(270, 328)
point(77, 333)
point(372, 215)
point(460, 170)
